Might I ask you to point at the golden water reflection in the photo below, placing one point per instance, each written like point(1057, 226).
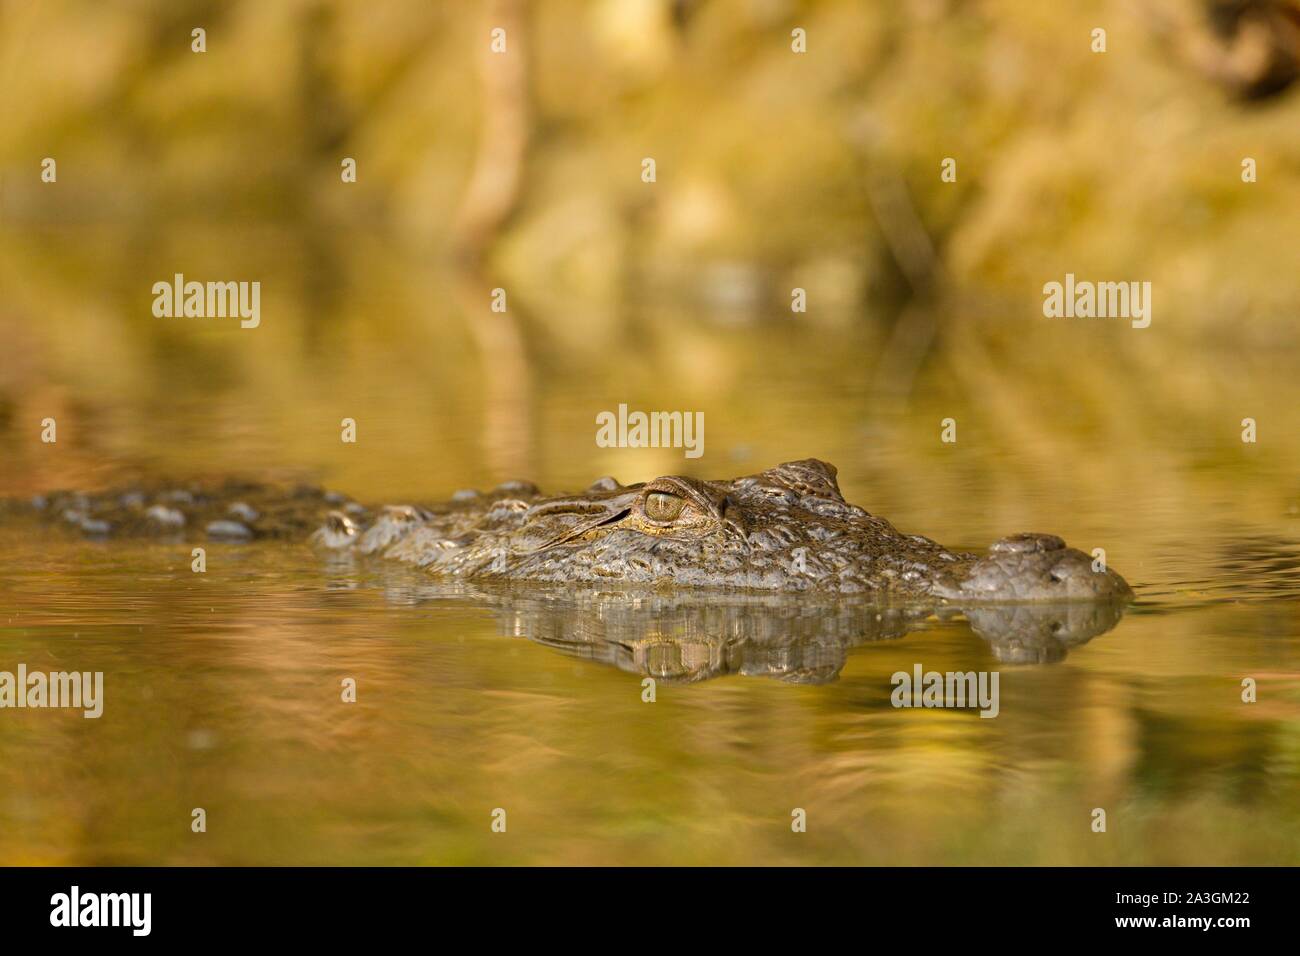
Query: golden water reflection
point(223, 692)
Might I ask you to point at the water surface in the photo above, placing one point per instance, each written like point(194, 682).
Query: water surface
point(223, 692)
point(223, 689)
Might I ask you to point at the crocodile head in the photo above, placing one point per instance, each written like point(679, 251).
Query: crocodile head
point(784, 529)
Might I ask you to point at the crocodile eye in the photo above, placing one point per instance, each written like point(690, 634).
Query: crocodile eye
point(660, 506)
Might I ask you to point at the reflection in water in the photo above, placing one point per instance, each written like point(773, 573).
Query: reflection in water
point(505, 373)
point(222, 691)
point(688, 636)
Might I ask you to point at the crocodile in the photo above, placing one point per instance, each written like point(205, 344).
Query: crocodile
point(785, 530)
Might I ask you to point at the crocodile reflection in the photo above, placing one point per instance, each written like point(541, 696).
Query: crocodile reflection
point(686, 638)
point(678, 578)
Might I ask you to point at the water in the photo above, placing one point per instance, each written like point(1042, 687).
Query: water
point(223, 689)
point(224, 692)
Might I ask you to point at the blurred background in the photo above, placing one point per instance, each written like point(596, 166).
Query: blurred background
point(775, 170)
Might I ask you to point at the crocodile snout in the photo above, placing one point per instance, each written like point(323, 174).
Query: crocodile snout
point(1036, 567)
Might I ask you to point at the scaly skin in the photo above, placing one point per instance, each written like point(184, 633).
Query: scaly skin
point(787, 529)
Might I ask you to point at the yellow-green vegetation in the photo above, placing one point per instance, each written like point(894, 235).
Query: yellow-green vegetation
point(775, 170)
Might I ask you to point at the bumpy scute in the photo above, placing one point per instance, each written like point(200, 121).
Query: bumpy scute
point(787, 529)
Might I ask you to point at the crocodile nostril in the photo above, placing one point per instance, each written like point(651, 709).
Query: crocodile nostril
point(1027, 542)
